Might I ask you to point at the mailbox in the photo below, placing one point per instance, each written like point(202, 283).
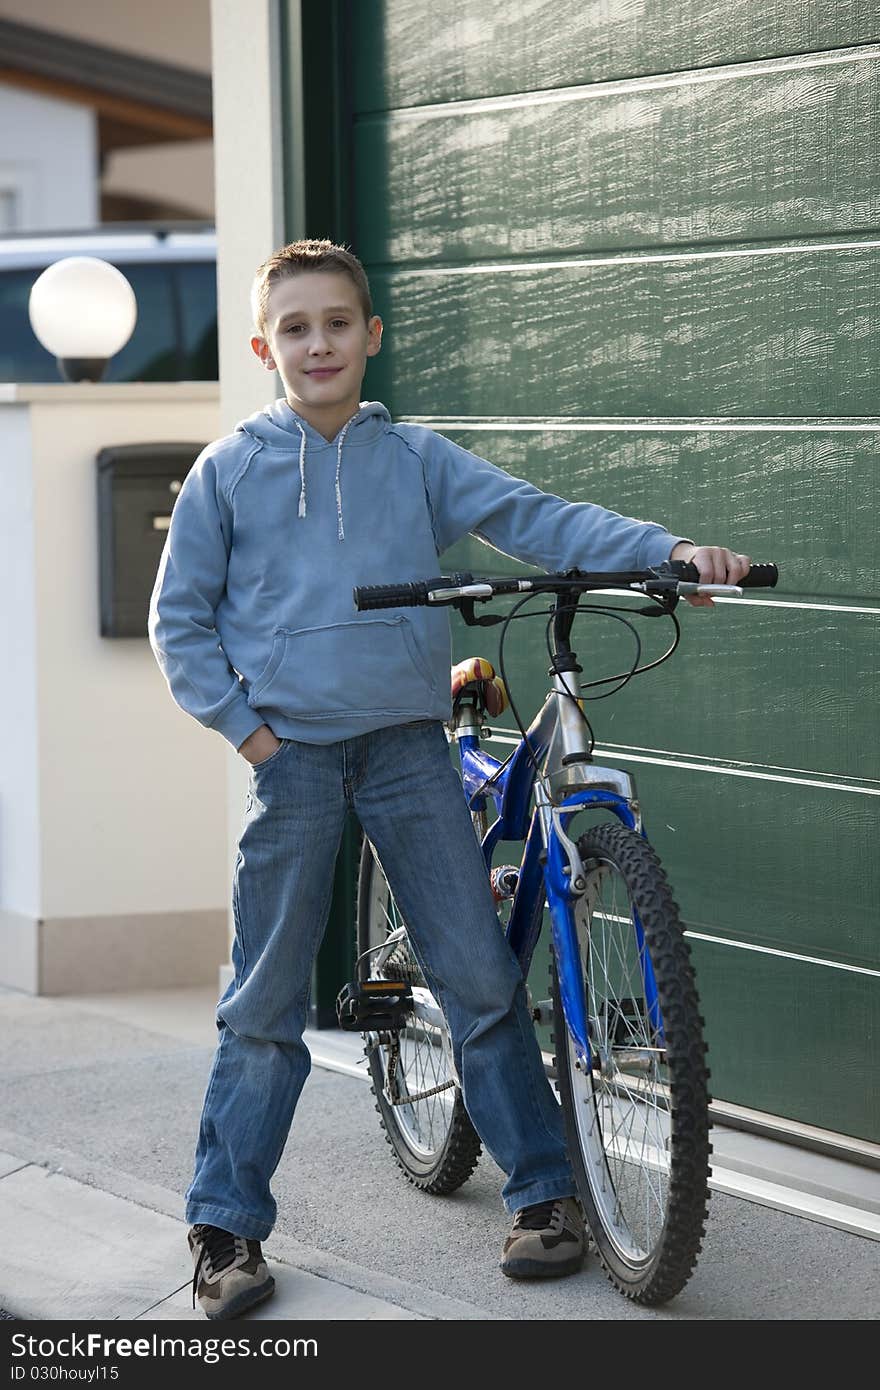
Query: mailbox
point(137, 486)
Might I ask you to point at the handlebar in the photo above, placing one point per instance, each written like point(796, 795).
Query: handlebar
point(675, 579)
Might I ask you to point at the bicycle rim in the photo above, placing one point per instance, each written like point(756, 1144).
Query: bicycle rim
point(637, 1119)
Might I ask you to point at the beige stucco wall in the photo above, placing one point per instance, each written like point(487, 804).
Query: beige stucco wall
point(114, 857)
point(250, 224)
point(133, 810)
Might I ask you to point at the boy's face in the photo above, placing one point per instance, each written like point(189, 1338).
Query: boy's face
point(318, 340)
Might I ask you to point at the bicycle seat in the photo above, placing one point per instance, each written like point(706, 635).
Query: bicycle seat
point(475, 675)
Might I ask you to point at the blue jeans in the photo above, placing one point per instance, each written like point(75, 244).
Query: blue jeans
point(401, 783)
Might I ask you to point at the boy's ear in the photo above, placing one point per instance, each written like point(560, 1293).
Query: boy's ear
point(374, 340)
point(263, 351)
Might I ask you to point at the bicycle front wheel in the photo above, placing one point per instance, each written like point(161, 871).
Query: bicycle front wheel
point(412, 1073)
point(637, 1118)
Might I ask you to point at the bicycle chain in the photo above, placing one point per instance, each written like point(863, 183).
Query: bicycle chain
point(394, 1056)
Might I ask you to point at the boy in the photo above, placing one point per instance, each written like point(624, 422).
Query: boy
point(253, 625)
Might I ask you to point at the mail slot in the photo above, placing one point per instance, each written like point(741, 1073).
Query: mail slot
point(137, 487)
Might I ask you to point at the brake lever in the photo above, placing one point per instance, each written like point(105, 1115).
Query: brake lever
point(671, 588)
point(667, 603)
point(465, 607)
point(667, 598)
point(711, 590)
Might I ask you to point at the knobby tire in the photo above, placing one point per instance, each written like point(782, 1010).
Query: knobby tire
point(646, 1092)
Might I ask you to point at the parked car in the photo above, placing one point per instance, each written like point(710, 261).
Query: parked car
point(173, 272)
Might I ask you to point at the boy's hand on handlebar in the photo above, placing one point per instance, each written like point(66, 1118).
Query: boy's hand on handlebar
point(716, 565)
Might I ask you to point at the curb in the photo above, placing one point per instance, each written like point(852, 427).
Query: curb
point(89, 1189)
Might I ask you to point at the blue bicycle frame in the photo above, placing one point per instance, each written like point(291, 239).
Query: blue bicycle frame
point(550, 866)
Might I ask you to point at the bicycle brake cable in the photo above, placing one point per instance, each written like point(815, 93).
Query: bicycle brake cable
point(622, 676)
point(568, 691)
point(502, 671)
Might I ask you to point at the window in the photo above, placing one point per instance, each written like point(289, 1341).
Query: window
point(22, 358)
point(197, 288)
point(151, 353)
point(175, 337)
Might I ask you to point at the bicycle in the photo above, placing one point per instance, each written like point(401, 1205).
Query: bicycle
point(630, 1057)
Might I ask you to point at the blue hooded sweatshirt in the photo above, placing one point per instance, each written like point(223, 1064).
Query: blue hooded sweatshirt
point(252, 618)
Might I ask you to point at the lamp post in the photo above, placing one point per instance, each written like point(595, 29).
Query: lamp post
point(83, 310)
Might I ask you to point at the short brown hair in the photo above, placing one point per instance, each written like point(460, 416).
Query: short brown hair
point(306, 255)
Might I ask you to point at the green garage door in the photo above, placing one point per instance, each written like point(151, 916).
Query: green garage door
point(630, 251)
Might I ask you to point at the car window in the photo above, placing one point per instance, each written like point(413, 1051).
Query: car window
point(22, 357)
point(151, 352)
point(197, 288)
point(175, 337)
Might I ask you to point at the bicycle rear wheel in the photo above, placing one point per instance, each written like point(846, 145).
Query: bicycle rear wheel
point(412, 1074)
point(637, 1120)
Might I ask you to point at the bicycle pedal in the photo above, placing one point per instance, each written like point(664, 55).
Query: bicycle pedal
point(542, 1012)
point(374, 1006)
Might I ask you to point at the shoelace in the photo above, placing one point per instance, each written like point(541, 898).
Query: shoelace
point(536, 1218)
point(218, 1246)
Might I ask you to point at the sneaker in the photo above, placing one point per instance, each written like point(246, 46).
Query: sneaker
point(230, 1275)
point(547, 1239)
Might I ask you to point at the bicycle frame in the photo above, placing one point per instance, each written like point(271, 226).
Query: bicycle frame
point(569, 782)
point(633, 1092)
point(550, 860)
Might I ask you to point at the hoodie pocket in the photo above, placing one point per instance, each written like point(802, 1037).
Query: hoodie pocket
point(370, 667)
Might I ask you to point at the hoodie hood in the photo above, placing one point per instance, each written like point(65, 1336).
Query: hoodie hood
point(278, 426)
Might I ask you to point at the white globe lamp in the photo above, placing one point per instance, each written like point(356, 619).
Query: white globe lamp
point(83, 310)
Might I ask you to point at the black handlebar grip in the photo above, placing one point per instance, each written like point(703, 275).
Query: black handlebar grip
point(391, 595)
point(764, 576)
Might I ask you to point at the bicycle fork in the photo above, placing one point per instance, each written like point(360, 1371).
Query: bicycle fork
point(566, 880)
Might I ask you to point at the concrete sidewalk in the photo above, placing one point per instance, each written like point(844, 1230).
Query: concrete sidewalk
point(101, 1097)
point(95, 1243)
point(114, 1258)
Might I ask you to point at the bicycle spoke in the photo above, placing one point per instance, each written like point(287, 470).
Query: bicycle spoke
point(417, 1084)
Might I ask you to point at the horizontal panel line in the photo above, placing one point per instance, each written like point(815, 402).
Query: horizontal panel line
point(503, 736)
point(642, 424)
point(741, 772)
point(786, 955)
point(810, 606)
point(754, 602)
point(729, 762)
point(814, 607)
point(762, 240)
point(645, 258)
point(592, 91)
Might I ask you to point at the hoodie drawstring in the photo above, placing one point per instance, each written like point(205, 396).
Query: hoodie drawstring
point(340, 529)
point(302, 470)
